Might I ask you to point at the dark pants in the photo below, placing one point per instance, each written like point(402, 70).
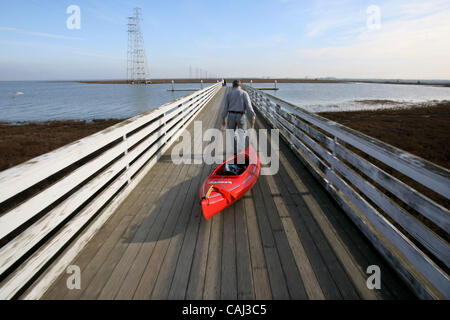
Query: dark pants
point(238, 121)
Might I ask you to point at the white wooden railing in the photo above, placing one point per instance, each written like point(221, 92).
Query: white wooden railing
point(418, 254)
point(39, 229)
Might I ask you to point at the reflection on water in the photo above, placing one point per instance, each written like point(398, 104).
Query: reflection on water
point(43, 101)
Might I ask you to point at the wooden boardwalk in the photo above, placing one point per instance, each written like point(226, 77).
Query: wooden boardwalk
point(286, 239)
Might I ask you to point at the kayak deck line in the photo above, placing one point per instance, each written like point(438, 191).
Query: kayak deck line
point(286, 238)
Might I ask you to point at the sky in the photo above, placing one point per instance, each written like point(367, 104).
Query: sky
point(403, 39)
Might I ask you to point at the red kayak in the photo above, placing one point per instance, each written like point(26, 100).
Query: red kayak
point(229, 182)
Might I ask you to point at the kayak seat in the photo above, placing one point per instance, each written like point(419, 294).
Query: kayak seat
point(231, 168)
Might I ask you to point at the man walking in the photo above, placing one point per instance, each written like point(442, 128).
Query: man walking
point(237, 103)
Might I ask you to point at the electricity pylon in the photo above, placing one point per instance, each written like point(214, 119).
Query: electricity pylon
point(137, 66)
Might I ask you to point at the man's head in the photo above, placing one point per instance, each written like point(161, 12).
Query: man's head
point(237, 84)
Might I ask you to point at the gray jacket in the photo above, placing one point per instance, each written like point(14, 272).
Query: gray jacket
point(239, 101)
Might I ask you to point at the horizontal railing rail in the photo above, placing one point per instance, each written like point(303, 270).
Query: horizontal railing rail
point(102, 169)
point(388, 211)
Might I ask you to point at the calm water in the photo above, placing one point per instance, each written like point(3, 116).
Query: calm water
point(43, 101)
point(347, 96)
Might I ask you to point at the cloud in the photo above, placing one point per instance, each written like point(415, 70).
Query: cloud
point(418, 8)
point(327, 16)
point(413, 41)
point(39, 34)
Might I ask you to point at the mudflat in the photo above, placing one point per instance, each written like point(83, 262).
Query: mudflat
point(22, 142)
point(422, 131)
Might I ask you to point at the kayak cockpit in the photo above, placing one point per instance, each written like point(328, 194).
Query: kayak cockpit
point(231, 169)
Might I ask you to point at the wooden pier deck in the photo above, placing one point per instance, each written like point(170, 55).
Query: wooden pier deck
point(286, 239)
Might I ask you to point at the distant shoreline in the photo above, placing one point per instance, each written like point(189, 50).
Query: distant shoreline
point(279, 80)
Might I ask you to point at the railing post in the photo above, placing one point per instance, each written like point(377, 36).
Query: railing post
point(276, 111)
point(333, 150)
point(268, 104)
point(125, 157)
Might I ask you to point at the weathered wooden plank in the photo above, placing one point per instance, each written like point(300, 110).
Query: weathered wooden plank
point(324, 247)
point(392, 287)
point(408, 195)
point(415, 228)
point(259, 269)
point(243, 263)
point(319, 264)
point(109, 249)
point(164, 279)
point(299, 136)
point(307, 274)
point(193, 258)
point(181, 235)
point(135, 208)
point(196, 278)
point(278, 282)
point(189, 275)
point(58, 289)
point(229, 274)
point(351, 267)
point(432, 281)
point(360, 221)
point(15, 281)
point(136, 269)
point(18, 247)
point(171, 209)
point(317, 164)
point(150, 275)
point(213, 274)
point(181, 269)
point(19, 215)
point(121, 269)
point(191, 267)
point(320, 137)
point(340, 263)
